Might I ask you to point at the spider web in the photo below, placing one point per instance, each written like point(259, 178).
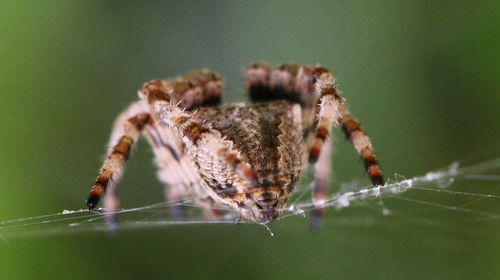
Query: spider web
point(466, 190)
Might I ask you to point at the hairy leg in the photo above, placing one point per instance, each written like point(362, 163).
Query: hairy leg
point(200, 140)
point(333, 111)
point(363, 145)
point(194, 89)
point(126, 131)
point(328, 111)
point(201, 136)
point(266, 83)
point(185, 93)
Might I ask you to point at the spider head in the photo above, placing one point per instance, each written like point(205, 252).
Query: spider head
point(266, 215)
point(261, 205)
point(258, 213)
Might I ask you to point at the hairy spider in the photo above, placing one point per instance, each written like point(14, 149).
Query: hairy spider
point(247, 156)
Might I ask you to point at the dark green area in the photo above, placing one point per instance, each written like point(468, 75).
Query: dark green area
point(422, 76)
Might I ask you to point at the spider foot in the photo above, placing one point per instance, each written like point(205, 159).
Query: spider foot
point(377, 181)
point(92, 201)
point(178, 212)
point(316, 219)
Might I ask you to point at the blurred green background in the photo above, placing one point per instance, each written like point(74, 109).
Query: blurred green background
point(422, 76)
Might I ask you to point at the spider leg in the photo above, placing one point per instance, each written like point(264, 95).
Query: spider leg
point(176, 111)
point(169, 160)
point(203, 137)
point(331, 111)
point(161, 96)
point(328, 111)
point(211, 209)
point(322, 173)
point(180, 185)
point(175, 199)
point(126, 131)
point(266, 83)
point(363, 145)
point(194, 89)
point(290, 82)
point(287, 81)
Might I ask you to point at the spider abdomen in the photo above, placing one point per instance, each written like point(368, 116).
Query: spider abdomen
point(268, 136)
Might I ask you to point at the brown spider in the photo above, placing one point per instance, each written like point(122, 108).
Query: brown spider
point(247, 156)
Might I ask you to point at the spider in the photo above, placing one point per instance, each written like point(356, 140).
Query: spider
point(247, 156)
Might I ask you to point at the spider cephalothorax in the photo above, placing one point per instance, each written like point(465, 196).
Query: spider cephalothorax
point(247, 156)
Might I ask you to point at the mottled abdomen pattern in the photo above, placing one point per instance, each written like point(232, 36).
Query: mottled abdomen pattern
point(269, 137)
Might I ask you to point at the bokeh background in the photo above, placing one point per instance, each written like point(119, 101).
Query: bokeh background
point(422, 76)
